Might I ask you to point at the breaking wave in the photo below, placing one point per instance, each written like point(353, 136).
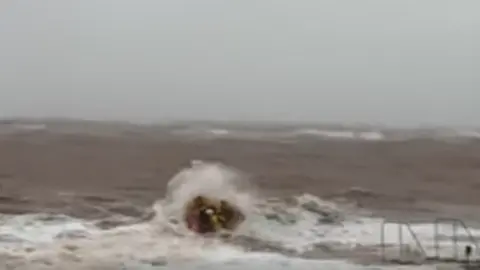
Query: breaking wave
point(278, 232)
point(343, 134)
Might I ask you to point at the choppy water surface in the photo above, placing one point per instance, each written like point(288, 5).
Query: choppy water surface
point(301, 232)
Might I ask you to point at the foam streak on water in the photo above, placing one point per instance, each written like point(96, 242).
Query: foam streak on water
point(299, 226)
point(358, 133)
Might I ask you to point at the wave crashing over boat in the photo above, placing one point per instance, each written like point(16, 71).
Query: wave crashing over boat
point(277, 232)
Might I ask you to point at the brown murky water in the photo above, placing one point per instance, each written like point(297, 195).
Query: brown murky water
point(92, 174)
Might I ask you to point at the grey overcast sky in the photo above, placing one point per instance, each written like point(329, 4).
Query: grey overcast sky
point(398, 62)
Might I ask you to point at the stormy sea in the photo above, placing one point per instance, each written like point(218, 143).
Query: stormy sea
point(105, 195)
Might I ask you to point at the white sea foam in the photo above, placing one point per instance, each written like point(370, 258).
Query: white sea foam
point(161, 243)
point(365, 134)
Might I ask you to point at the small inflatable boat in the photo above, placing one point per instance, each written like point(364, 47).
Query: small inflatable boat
point(206, 215)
